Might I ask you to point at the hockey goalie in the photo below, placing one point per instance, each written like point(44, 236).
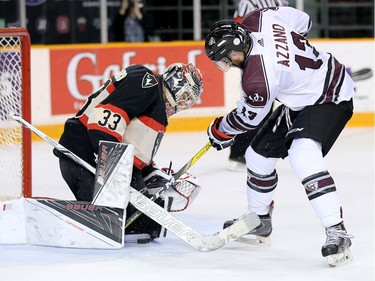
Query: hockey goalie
point(106, 154)
point(117, 132)
point(104, 222)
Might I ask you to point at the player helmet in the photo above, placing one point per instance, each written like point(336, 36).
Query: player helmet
point(225, 36)
point(183, 87)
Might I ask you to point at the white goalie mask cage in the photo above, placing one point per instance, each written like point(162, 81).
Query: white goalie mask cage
point(184, 86)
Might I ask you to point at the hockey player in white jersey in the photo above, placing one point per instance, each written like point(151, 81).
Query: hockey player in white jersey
point(237, 150)
point(278, 63)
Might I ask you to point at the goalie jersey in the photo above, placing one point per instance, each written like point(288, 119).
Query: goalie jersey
point(129, 108)
point(282, 65)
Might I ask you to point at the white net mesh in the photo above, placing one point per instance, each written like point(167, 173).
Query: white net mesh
point(11, 164)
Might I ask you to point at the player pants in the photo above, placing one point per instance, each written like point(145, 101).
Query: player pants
point(306, 136)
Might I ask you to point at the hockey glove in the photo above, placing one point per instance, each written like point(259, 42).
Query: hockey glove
point(218, 139)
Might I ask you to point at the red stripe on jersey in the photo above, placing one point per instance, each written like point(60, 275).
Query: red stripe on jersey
point(95, 126)
point(117, 110)
point(110, 88)
point(138, 163)
point(149, 122)
point(84, 119)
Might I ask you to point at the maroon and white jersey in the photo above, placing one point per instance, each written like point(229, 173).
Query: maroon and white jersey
point(282, 65)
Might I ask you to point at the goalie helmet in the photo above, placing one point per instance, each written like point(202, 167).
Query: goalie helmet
point(225, 36)
point(183, 87)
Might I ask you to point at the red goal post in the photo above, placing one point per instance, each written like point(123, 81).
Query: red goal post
point(15, 98)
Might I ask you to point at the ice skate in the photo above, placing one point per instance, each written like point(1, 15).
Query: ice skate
point(261, 234)
point(337, 247)
point(237, 164)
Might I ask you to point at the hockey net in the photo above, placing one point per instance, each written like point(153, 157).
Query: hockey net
point(15, 141)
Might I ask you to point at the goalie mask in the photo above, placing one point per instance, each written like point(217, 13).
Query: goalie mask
point(183, 87)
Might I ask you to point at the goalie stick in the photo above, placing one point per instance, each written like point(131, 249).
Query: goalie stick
point(175, 177)
point(197, 240)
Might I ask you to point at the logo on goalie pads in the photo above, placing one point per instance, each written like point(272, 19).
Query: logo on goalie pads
point(73, 224)
point(62, 223)
point(113, 174)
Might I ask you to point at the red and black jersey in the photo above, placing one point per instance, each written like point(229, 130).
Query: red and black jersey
point(129, 107)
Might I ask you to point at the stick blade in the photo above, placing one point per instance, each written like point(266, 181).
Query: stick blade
point(241, 227)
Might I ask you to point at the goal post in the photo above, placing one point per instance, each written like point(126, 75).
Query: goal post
point(15, 98)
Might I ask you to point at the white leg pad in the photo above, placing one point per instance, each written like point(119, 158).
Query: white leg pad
point(112, 183)
point(71, 224)
point(12, 222)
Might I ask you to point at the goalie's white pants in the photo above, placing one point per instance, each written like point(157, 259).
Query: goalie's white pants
point(306, 159)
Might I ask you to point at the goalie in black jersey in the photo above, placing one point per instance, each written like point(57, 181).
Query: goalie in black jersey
point(131, 107)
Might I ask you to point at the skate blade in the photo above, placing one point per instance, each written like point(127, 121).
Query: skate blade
point(340, 259)
point(256, 240)
point(235, 166)
point(138, 238)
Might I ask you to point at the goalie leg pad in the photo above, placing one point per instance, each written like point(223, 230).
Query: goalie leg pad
point(12, 222)
point(113, 174)
point(73, 224)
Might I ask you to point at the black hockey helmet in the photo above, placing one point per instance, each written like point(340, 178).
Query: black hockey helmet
point(225, 36)
point(183, 87)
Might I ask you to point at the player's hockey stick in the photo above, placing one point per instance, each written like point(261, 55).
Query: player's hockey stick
point(192, 161)
point(175, 177)
point(361, 74)
point(197, 240)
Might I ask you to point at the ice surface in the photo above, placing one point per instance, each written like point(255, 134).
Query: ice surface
point(296, 240)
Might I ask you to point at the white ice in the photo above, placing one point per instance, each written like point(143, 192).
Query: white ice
point(296, 240)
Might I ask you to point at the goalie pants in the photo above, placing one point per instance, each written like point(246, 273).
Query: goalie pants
point(305, 136)
point(79, 179)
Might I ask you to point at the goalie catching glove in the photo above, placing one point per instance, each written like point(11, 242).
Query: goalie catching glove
point(183, 191)
point(218, 139)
